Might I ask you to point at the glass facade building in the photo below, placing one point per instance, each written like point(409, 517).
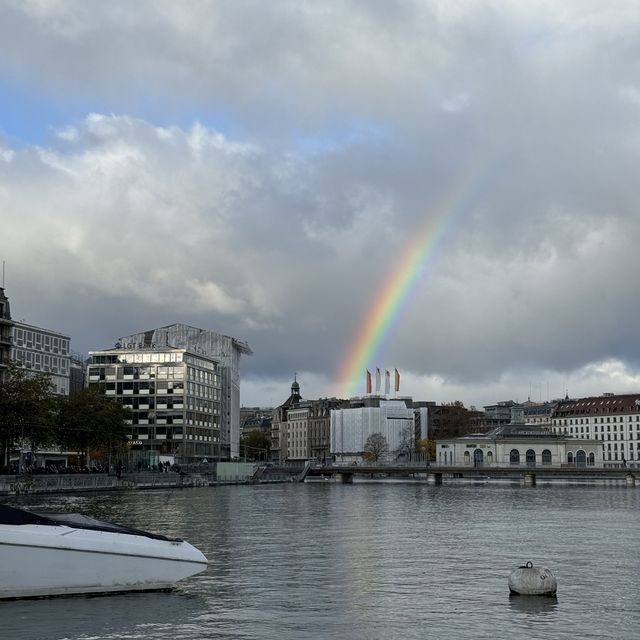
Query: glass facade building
point(174, 397)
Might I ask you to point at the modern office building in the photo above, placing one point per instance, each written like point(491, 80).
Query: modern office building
point(501, 413)
point(225, 350)
point(42, 351)
point(613, 420)
point(33, 349)
point(174, 396)
point(77, 373)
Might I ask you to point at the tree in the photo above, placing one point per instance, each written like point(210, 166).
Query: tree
point(375, 447)
point(406, 446)
point(90, 420)
point(26, 411)
point(255, 444)
point(426, 447)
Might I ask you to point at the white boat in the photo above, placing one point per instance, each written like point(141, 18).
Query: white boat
point(64, 554)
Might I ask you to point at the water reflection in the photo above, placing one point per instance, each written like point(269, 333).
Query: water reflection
point(366, 561)
point(533, 604)
point(97, 617)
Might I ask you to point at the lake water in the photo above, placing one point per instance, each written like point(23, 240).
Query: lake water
point(365, 561)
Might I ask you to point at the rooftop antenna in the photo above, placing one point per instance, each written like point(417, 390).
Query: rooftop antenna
point(3, 274)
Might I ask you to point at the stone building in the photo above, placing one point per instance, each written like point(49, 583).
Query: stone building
point(611, 419)
point(519, 446)
point(300, 429)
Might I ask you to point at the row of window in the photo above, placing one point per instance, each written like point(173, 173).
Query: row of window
point(40, 361)
point(41, 341)
point(630, 418)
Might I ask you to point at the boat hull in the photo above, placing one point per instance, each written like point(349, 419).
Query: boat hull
point(40, 561)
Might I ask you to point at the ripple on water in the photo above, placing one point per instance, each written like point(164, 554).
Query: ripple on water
point(364, 561)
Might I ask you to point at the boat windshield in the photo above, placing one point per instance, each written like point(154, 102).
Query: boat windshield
point(11, 515)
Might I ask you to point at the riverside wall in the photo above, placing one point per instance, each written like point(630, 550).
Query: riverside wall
point(42, 484)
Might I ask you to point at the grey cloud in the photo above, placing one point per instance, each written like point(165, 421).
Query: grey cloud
point(287, 243)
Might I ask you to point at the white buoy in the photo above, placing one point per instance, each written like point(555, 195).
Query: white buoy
point(528, 580)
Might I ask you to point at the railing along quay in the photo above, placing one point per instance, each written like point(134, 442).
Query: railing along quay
point(437, 472)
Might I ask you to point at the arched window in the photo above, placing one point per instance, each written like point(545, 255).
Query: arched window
point(592, 459)
point(581, 459)
point(478, 458)
point(546, 458)
point(570, 457)
point(514, 457)
point(467, 457)
point(489, 457)
point(531, 458)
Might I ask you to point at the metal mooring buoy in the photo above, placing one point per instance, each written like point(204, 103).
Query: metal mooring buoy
point(528, 580)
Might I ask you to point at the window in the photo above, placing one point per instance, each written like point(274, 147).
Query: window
point(514, 457)
point(546, 457)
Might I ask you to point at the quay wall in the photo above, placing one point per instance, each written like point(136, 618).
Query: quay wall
point(41, 484)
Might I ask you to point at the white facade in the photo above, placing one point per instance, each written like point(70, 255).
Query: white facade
point(350, 428)
point(513, 451)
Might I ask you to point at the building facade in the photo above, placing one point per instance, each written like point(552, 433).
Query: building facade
point(505, 412)
point(5, 333)
point(612, 420)
point(42, 351)
point(226, 351)
point(519, 446)
point(300, 429)
point(174, 398)
point(394, 419)
point(539, 413)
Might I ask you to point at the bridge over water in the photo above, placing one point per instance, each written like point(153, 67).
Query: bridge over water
point(436, 473)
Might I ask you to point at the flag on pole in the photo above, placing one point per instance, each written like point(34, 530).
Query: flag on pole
point(368, 381)
point(387, 383)
point(397, 381)
point(378, 380)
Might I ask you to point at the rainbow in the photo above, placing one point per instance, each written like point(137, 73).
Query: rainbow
point(395, 293)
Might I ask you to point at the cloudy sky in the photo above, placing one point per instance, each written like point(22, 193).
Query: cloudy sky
point(261, 168)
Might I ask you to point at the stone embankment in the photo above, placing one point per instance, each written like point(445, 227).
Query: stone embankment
point(39, 484)
point(215, 474)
